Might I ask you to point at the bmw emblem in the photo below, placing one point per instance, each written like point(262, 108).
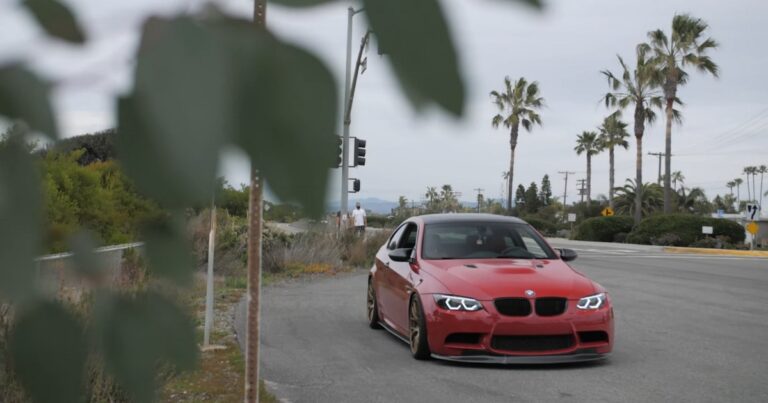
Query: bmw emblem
point(530, 293)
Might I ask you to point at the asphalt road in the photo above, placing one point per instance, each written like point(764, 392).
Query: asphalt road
point(688, 329)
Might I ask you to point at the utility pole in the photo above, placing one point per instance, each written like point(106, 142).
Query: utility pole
point(253, 295)
point(346, 116)
point(582, 183)
point(479, 197)
point(565, 191)
point(660, 155)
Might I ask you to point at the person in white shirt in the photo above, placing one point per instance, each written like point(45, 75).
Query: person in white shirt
point(358, 216)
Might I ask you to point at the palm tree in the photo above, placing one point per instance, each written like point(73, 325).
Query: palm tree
point(636, 87)
point(730, 185)
point(677, 176)
point(613, 133)
point(753, 171)
point(448, 199)
point(518, 104)
point(738, 182)
point(433, 199)
point(748, 171)
point(685, 46)
point(651, 196)
point(587, 143)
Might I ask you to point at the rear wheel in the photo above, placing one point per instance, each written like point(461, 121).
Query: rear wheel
point(372, 307)
point(417, 330)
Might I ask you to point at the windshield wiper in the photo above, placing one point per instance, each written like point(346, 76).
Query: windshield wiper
point(517, 255)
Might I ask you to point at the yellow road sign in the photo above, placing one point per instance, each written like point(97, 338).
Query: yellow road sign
point(752, 228)
point(607, 212)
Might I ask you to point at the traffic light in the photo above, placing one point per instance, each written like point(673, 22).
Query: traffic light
point(359, 154)
point(355, 185)
point(339, 151)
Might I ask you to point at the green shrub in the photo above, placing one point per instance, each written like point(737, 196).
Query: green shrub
point(545, 227)
point(658, 230)
point(604, 229)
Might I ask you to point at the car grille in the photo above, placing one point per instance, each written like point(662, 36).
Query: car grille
point(532, 343)
point(513, 306)
point(593, 337)
point(550, 306)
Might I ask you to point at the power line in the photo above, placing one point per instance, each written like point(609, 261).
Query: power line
point(660, 155)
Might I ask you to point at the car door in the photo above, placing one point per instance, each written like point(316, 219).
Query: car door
point(385, 278)
point(402, 280)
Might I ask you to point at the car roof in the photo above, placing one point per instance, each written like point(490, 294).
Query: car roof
point(466, 217)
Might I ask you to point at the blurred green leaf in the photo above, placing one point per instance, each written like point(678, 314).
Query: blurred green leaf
point(169, 250)
point(140, 332)
point(20, 218)
point(301, 3)
point(415, 36)
point(82, 245)
point(197, 81)
point(24, 96)
point(56, 19)
point(49, 353)
point(172, 126)
point(286, 110)
point(533, 3)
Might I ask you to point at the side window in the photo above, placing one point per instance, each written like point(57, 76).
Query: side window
point(409, 237)
point(396, 237)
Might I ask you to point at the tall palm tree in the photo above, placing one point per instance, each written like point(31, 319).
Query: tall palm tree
point(587, 143)
point(738, 182)
point(651, 198)
point(636, 87)
point(748, 171)
point(730, 185)
point(685, 46)
point(753, 171)
point(613, 133)
point(518, 104)
point(677, 176)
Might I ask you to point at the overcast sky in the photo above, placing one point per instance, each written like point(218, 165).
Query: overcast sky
point(563, 48)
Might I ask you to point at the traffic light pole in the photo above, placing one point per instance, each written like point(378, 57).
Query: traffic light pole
point(346, 118)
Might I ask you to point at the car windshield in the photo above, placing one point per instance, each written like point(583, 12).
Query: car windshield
point(483, 240)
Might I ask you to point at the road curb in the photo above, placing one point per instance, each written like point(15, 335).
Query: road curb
point(721, 252)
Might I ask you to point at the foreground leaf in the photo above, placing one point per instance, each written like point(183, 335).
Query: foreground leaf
point(286, 110)
point(20, 219)
point(415, 36)
point(301, 3)
point(140, 333)
point(49, 353)
point(173, 125)
point(169, 250)
point(56, 19)
point(24, 96)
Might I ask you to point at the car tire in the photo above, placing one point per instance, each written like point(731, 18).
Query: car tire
point(372, 307)
point(417, 330)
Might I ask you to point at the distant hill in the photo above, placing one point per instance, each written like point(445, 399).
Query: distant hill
point(379, 206)
point(372, 204)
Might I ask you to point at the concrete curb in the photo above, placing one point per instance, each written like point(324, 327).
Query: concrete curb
point(721, 252)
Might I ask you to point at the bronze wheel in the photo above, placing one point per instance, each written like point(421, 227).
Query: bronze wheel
point(372, 307)
point(417, 331)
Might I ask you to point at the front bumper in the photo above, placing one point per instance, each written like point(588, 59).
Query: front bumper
point(481, 328)
point(585, 355)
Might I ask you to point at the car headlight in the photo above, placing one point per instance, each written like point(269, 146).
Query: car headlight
point(592, 301)
point(453, 303)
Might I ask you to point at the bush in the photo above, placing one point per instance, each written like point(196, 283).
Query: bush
point(545, 227)
point(658, 230)
point(604, 229)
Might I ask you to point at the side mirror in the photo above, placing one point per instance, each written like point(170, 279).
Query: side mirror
point(568, 254)
point(401, 255)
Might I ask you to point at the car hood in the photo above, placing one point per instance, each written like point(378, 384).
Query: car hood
point(496, 278)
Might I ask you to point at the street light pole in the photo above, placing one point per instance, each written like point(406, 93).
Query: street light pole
point(345, 134)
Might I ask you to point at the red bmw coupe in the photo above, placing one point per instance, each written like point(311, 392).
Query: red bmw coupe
point(486, 289)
